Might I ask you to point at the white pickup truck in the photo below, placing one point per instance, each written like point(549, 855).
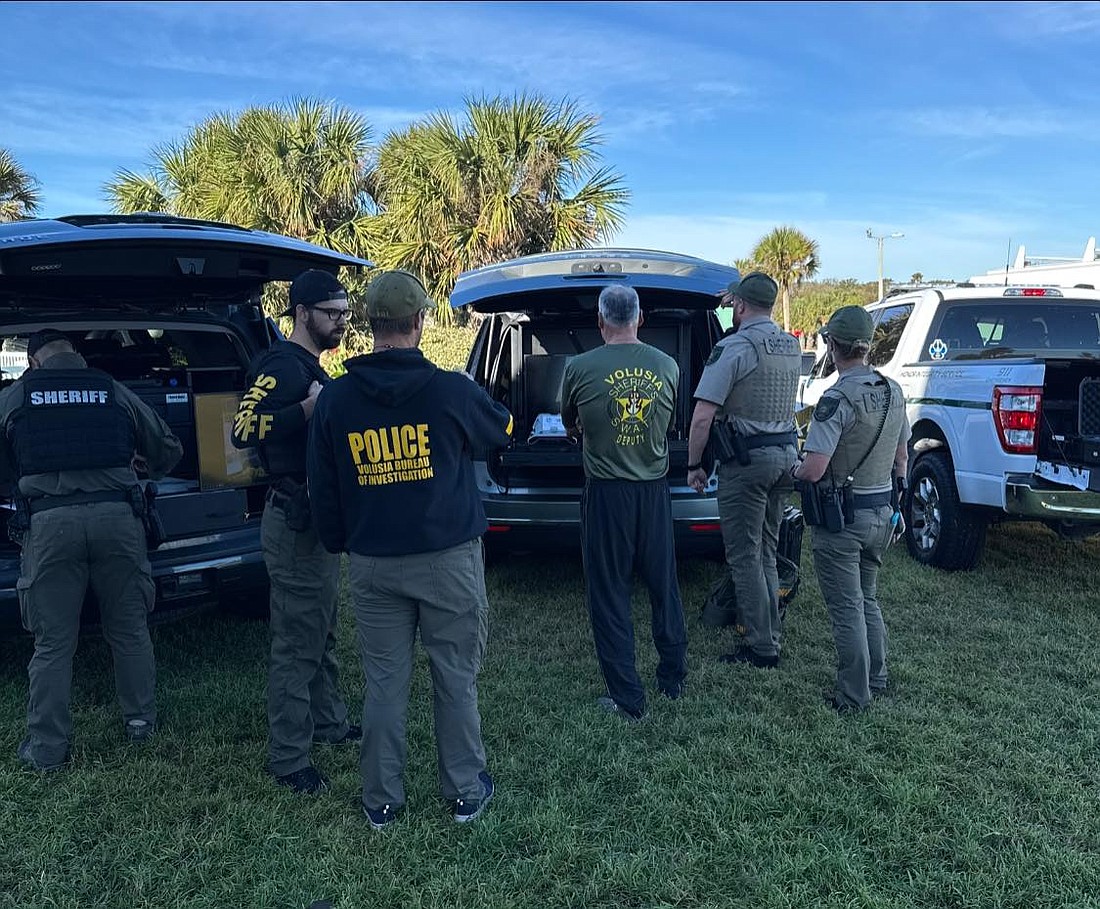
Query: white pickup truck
point(1002, 389)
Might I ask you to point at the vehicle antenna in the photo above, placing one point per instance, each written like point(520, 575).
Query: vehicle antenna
point(1008, 258)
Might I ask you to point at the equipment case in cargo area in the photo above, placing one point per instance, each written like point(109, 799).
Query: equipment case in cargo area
point(720, 608)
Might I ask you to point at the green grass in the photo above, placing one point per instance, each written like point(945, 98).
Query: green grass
point(974, 784)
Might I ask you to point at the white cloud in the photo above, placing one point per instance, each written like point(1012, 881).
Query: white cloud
point(989, 123)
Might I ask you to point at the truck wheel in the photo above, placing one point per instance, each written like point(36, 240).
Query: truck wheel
point(940, 530)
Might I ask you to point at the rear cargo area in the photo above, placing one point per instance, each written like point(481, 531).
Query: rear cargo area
point(191, 375)
point(522, 367)
point(1071, 413)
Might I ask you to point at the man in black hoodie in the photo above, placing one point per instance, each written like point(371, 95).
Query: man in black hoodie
point(303, 696)
point(392, 483)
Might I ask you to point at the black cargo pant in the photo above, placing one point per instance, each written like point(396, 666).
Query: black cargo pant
point(626, 525)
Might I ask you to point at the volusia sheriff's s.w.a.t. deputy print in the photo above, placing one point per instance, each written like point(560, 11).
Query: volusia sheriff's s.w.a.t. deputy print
point(390, 470)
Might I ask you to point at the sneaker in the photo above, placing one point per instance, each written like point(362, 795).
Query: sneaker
point(306, 781)
point(466, 810)
point(380, 818)
point(31, 763)
point(139, 731)
point(610, 705)
point(354, 734)
point(750, 656)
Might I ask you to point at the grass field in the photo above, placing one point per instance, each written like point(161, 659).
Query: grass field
point(973, 784)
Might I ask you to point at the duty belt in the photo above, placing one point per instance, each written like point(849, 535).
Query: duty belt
point(276, 498)
point(770, 440)
point(45, 503)
point(870, 499)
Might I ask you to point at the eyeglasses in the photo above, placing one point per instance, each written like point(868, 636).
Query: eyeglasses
point(335, 315)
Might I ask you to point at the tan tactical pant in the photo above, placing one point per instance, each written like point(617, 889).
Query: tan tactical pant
point(847, 565)
point(303, 695)
point(443, 595)
point(65, 550)
point(750, 506)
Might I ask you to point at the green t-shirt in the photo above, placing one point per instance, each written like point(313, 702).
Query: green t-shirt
point(623, 396)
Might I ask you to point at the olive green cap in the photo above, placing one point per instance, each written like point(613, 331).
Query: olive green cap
point(396, 294)
point(850, 324)
point(756, 288)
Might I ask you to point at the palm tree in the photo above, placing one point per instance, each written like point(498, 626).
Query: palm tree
point(19, 192)
point(745, 264)
point(506, 178)
point(790, 257)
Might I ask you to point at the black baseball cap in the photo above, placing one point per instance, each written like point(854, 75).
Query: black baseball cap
point(313, 287)
point(45, 336)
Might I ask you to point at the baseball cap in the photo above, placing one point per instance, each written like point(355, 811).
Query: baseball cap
point(756, 288)
point(313, 287)
point(396, 294)
point(850, 324)
point(45, 336)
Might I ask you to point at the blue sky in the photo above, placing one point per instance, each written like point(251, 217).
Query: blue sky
point(964, 126)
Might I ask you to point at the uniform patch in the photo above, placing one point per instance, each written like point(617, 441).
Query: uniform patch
point(715, 355)
point(826, 407)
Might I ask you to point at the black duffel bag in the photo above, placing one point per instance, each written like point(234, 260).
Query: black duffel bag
point(720, 607)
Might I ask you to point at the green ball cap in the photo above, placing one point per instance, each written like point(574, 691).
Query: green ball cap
point(396, 294)
point(755, 288)
point(850, 324)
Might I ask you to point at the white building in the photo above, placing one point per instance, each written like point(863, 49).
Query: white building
point(1059, 271)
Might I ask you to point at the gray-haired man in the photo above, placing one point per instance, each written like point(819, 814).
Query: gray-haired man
point(622, 396)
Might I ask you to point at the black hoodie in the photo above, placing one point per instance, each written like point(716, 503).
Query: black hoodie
point(390, 470)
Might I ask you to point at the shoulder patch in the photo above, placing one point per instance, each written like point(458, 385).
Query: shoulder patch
point(826, 407)
point(715, 355)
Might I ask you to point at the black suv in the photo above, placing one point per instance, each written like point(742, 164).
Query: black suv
point(539, 311)
point(170, 307)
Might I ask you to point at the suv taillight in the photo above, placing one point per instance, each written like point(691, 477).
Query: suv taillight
point(1016, 413)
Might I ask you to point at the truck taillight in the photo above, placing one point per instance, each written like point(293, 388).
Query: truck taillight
point(1016, 413)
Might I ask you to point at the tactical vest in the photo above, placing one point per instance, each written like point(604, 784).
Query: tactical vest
point(767, 394)
point(70, 419)
point(867, 395)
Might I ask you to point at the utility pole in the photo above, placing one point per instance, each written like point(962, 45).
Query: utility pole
point(881, 239)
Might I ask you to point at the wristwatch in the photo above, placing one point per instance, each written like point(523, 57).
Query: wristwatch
point(698, 466)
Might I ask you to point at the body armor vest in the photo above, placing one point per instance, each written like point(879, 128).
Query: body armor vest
point(867, 395)
point(70, 419)
point(767, 393)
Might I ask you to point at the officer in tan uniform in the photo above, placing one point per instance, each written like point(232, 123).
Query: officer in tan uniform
point(72, 436)
point(745, 398)
point(856, 455)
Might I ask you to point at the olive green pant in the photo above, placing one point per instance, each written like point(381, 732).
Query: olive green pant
point(443, 594)
point(303, 696)
point(750, 506)
point(65, 550)
point(847, 565)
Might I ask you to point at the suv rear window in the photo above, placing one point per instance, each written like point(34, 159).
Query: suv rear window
point(994, 328)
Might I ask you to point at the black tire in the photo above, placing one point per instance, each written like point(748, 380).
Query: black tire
point(940, 530)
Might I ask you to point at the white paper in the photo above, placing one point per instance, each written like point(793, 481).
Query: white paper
point(548, 426)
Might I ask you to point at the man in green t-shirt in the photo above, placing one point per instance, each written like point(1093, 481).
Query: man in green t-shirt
point(620, 398)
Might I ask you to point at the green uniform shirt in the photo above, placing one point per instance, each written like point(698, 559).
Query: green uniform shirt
point(623, 396)
point(155, 442)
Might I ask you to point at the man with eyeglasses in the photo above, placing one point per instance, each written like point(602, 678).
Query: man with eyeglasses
point(304, 705)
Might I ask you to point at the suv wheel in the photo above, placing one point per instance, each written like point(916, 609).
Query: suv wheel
point(940, 530)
